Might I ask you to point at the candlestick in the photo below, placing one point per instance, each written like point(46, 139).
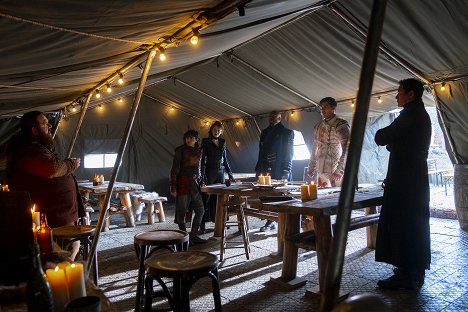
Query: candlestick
point(58, 283)
point(305, 192)
point(75, 280)
point(313, 190)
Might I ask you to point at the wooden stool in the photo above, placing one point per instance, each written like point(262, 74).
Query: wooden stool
point(150, 203)
point(235, 206)
point(71, 233)
point(185, 268)
point(148, 242)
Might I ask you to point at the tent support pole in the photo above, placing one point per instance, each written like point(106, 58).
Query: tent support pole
point(282, 85)
point(123, 144)
point(78, 125)
point(409, 68)
point(56, 126)
point(334, 269)
point(212, 97)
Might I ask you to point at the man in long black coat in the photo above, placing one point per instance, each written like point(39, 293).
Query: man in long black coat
point(275, 154)
point(403, 237)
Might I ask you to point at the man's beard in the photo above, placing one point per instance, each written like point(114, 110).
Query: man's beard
point(46, 140)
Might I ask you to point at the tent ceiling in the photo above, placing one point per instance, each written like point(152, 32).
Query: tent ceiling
point(54, 51)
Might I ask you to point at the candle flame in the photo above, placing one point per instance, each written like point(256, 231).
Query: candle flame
point(73, 265)
point(56, 268)
point(33, 208)
point(312, 182)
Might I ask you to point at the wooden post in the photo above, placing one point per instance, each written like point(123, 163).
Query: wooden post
point(78, 125)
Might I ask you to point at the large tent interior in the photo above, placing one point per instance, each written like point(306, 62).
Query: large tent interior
point(252, 57)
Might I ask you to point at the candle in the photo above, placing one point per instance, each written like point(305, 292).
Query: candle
point(75, 280)
point(267, 179)
point(58, 284)
point(101, 178)
point(261, 179)
point(313, 190)
point(305, 192)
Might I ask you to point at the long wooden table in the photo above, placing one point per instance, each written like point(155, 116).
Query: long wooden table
point(122, 189)
point(243, 189)
point(321, 209)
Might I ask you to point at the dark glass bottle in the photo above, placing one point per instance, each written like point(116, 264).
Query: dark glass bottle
point(44, 236)
point(39, 294)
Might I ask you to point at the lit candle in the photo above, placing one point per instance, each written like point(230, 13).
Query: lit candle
point(305, 192)
point(261, 179)
point(75, 280)
point(101, 178)
point(267, 179)
point(36, 216)
point(58, 284)
point(313, 190)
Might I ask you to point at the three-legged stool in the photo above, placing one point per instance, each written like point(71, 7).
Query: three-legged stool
point(148, 242)
point(69, 234)
point(235, 206)
point(185, 268)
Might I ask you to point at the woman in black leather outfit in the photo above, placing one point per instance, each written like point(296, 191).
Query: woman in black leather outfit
point(214, 164)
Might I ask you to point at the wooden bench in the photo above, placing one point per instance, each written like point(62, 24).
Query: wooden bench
point(153, 203)
point(306, 240)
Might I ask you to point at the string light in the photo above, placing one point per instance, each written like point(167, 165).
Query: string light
point(108, 88)
point(98, 95)
point(206, 123)
point(172, 108)
point(74, 109)
point(352, 103)
point(194, 39)
point(100, 106)
point(162, 54)
point(120, 81)
point(237, 122)
point(379, 99)
point(442, 87)
point(292, 113)
point(120, 100)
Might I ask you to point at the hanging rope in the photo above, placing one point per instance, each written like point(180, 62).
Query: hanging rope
point(20, 19)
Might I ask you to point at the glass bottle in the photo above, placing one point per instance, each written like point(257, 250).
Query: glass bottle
point(44, 236)
point(39, 293)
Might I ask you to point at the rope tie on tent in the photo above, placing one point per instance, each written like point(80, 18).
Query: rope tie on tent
point(20, 19)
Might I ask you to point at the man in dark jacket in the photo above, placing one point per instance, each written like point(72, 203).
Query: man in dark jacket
point(275, 154)
point(32, 166)
point(403, 237)
point(184, 184)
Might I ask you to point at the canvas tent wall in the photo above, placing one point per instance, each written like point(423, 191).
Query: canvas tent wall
point(53, 51)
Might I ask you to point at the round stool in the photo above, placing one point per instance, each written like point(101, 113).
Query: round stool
point(185, 268)
point(148, 242)
point(71, 233)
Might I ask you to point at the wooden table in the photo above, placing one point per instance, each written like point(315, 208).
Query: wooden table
point(321, 209)
point(122, 189)
point(241, 189)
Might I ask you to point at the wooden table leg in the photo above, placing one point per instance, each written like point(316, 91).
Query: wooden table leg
point(281, 233)
point(323, 237)
point(218, 230)
point(371, 230)
point(160, 209)
point(127, 203)
point(288, 276)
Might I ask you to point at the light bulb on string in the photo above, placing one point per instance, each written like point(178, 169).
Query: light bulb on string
point(98, 94)
point(120, 100)
point(206, 123)
point(237, 122)
point(352, 103)
point(292, 113)
point(379, 99)
point(172, 108)
point(194, 39)
point(162, 54)
point(74, 109)
point(108, 88)
point(442, 87)
point(120, 81)
point(100, 106)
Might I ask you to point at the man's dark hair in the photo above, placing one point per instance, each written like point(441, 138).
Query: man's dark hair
point(331, 101)
point(28, 121)
point(412, 84)
point(191, 133)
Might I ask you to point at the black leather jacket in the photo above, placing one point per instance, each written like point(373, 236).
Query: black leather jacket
point(214, 161)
